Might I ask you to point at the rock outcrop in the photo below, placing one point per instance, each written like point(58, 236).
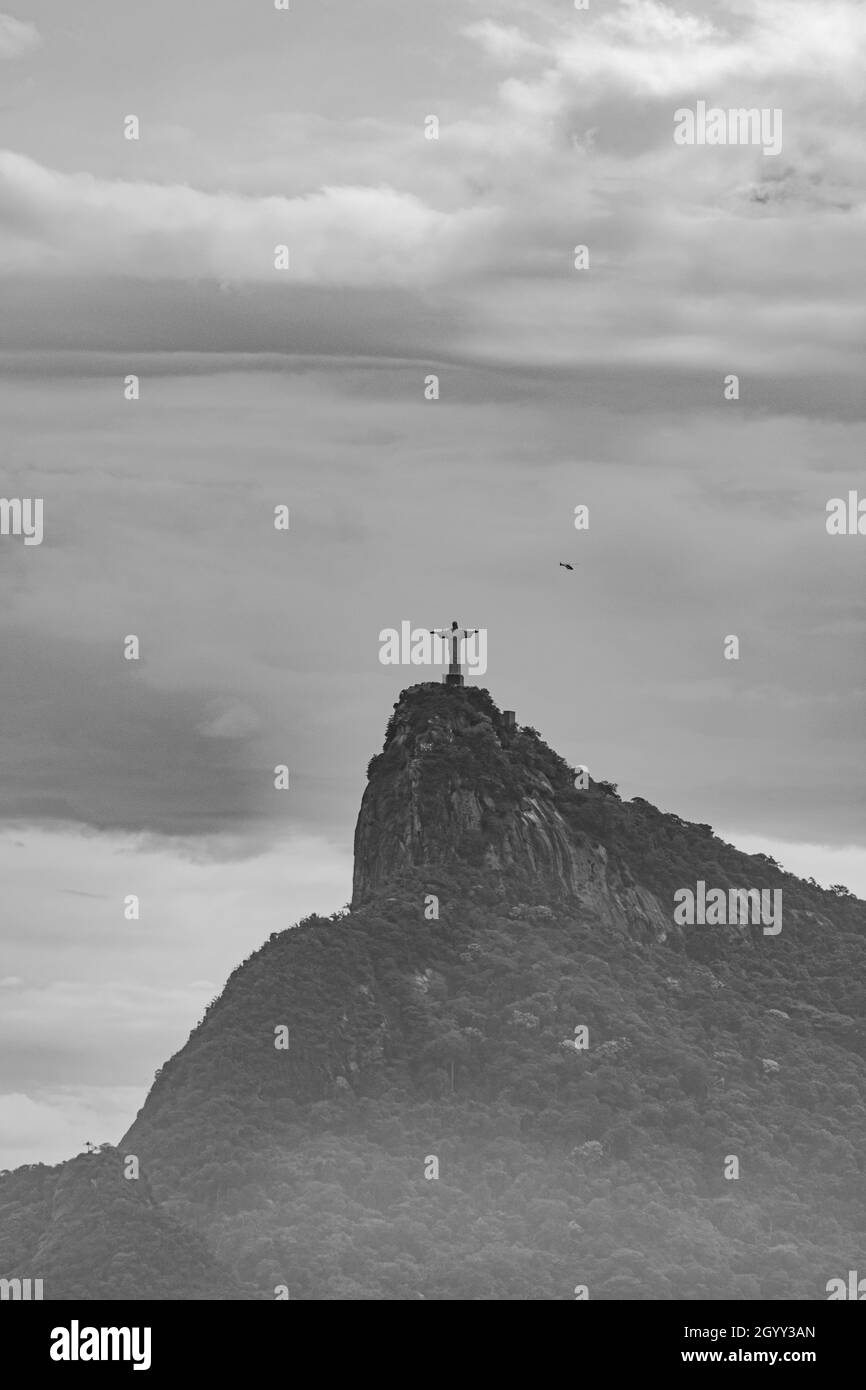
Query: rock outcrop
point(454, 784)
point(577, 1063)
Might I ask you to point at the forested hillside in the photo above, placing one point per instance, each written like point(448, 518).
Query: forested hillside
point(400, 1102)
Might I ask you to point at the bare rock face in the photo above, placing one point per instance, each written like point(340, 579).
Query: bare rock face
point(454, 784)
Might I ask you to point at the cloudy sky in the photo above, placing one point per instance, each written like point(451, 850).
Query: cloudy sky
point(305, 387)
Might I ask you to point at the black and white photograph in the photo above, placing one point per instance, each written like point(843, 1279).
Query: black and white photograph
point(432, 676)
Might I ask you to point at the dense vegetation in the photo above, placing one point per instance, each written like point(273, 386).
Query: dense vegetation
point(411, 1039)
point(89, 1232)
point(557, 1167)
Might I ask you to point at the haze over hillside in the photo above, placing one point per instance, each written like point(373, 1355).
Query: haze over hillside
point(506, 1073)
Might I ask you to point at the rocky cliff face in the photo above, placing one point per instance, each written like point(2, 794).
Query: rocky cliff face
point(286, 1144)
point(453, 785)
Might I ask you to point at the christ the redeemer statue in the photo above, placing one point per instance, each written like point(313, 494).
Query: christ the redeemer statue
point(455, 636)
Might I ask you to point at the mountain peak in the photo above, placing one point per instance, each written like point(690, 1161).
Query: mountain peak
point(459, 784)
point(581, 1067)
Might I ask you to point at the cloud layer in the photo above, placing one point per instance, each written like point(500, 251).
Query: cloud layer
point(712, 255)
point(17, 37)
point(305, 387)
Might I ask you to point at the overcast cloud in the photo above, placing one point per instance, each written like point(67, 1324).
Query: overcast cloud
point(306, 387)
